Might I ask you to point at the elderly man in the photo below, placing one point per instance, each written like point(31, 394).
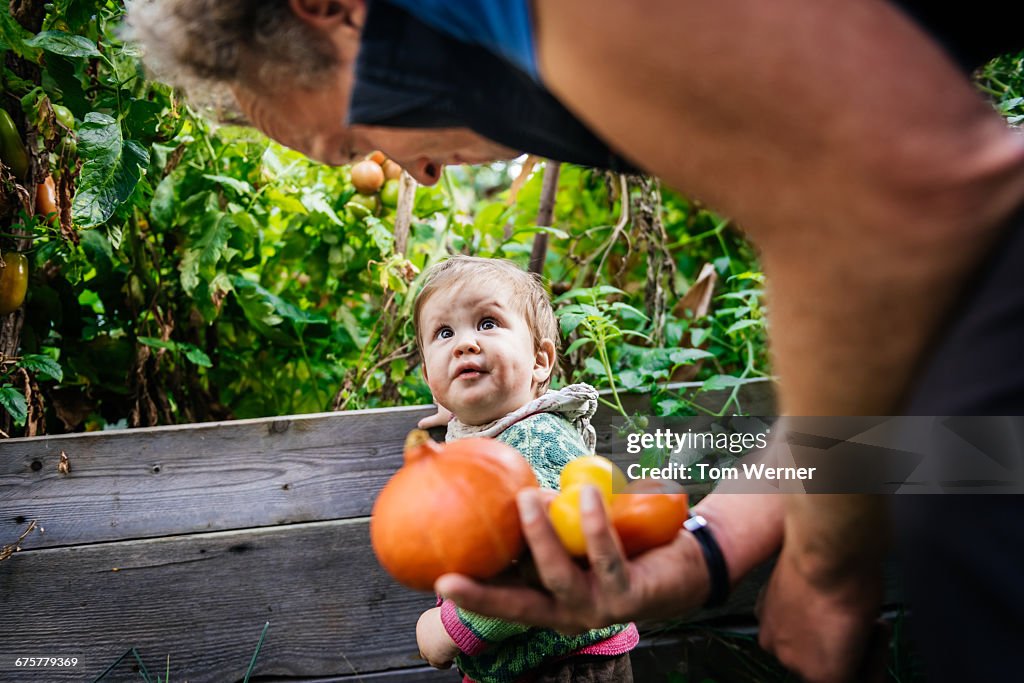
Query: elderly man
point(843, 138)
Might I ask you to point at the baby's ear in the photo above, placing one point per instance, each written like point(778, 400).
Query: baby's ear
point(544, 361)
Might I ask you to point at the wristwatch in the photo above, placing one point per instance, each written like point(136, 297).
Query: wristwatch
point(718, 573)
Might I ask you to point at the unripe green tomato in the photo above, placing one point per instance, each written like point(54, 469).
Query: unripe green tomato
point(389, 194)
point(64, 116)
point(11, 146)
point(363, 205)
point(13, 282)
point(68, 147)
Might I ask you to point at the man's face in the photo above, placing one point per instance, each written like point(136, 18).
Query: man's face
point(424, 152)
point(313, 122)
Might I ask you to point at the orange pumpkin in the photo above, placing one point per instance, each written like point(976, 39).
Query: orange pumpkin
point(450, 508)
point(648, 514)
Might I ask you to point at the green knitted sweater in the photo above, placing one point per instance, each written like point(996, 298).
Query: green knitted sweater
point(500, 651)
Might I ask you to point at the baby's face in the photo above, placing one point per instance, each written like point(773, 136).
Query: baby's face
point(478, 352)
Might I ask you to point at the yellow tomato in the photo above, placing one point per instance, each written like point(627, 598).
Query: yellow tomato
point(565, 518)
point(597, 471)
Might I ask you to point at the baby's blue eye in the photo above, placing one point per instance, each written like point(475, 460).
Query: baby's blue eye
point(488, 324)
point(445, 333)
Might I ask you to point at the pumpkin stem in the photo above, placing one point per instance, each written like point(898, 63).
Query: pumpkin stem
point(415, 442)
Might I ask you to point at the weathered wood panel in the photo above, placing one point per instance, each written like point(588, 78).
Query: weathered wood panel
point(214, 529)
point(204, 598)
point(147, 483)
point(156, 482)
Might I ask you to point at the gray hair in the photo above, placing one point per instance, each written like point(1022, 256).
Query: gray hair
point(202, 46)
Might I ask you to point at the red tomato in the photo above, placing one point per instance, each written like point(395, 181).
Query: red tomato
point(649, 514)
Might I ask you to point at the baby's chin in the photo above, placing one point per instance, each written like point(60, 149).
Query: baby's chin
point(476, 419)
point(475, 415)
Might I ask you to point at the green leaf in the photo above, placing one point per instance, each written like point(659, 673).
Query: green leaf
point(168, 344)
point(111, 170)
point(240, 186)
point(42, 366)
point(206, 252)
point(282, 310)
point(490, 217)
point(535, 229)
point(14, 402)
point(316, 203)
point(684, 356)
point(64, 44)
point(196, 355)
point(630, 380)
point(721, 382)
point(620, 306)
point(576, 344)
point(382, 236)
point(589, 293)
point(570, 321)
point(670, 406)
point(14, 36)
point(742, 325)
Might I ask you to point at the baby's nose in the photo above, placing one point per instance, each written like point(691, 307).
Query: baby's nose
point(467, 345)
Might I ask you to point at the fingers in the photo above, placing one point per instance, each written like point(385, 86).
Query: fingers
point(603, 547)
point(438, 419)
point(557, 570)
point(506, 602)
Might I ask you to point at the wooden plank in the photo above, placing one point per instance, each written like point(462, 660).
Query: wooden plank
point(203, 599)
point(146, 483)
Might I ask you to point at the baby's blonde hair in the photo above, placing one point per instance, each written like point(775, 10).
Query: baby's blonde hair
point(526, 293)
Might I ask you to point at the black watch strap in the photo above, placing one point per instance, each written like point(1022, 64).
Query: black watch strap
point(718, 573)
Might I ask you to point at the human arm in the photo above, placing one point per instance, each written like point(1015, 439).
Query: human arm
point(818, 612)
point(664, 583)
point(436, 646)
point(869, 203)
point(439, 419)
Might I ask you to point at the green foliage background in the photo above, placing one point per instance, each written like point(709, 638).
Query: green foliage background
point(210, 274)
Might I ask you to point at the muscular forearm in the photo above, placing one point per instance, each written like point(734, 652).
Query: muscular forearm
point(832, 538)
point(859, 160)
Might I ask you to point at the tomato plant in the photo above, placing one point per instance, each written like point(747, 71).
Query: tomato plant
point(203, 272)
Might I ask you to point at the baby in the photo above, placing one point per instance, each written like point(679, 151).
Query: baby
point(488, 337)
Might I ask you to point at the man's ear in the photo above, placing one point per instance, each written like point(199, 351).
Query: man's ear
point(544, 361)
point(330, 14)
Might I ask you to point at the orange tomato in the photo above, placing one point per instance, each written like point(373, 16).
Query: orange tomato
point(377, 156)
point(391, 170)
point(596, 470)
point(367, 177)
point(648, 514)
point(46, 201)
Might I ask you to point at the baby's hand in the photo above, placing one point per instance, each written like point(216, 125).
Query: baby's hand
point(439, 419)
point(436, 646)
